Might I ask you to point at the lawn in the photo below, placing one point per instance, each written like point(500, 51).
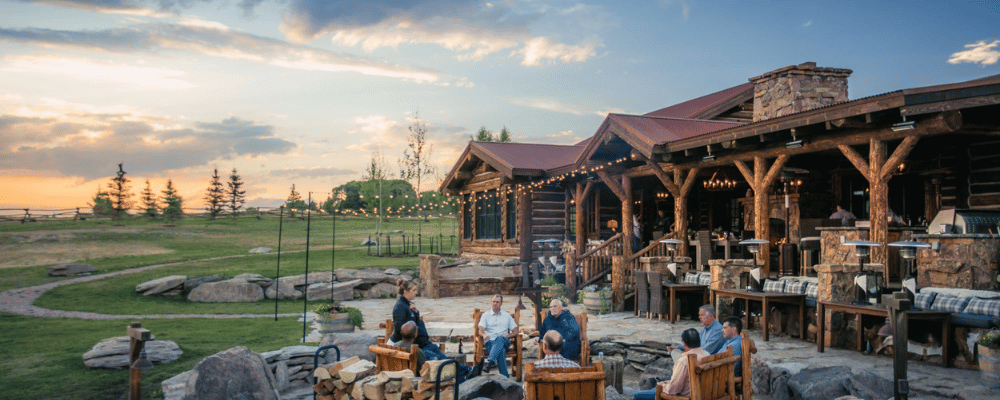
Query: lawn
point(41, 357)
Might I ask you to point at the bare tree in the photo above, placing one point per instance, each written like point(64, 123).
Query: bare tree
point(215, 195)
point(376, 171)
point(235, 196)
point(415, 164)
point(120, 193)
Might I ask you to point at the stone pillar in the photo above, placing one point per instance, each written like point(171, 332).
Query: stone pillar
point(726, 275)
point(618, 283)
point(797, 88)
point(429, 274)
point(659, 264)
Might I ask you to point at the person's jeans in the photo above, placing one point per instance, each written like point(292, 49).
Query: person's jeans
point(647, 394)
point(433, 352)
point(497, 352)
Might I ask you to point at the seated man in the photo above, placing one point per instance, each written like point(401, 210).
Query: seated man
point(731, 329)
point(408, 334)
point(497, 327)
point(711, 333)
point(552, 343)
point(678, 384)
point(560, 320)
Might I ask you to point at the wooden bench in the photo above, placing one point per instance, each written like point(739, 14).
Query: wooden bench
point(712, 379)
point(513, 352)
point(584, 383)
point(581, 321)
point(392, 358)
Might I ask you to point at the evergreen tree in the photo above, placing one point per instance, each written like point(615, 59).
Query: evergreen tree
point(120, 194)
point(149, 201)
point(172, 208)
point(102, 204)
point(215, 196)
point(294, 202)
point(485, 135)
point(235, 197)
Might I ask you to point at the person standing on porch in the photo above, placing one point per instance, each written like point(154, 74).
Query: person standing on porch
point(636, 233)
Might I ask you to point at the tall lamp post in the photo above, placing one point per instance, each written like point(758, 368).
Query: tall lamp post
point(753, 282)
point(908, 252)
point(671, 266)
point(866, 285)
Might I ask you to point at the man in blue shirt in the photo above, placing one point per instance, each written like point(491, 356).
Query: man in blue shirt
point(497, 327)
point(731, 329)
point(711, 333)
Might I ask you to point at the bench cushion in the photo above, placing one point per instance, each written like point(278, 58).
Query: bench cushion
point(771, 285)
point(943, 302)
point(691, 277)
point(704, 279)
point(812, 290)
point(923, 300)
point(795, 287)
point(978, 321)
point(990, 307)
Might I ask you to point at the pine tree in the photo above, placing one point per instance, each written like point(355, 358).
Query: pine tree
point(215, 196)
point(294, 202)
point(149, 201)
point(120, 194)
point(102, 204)
point(234, 196)
point(172, 208)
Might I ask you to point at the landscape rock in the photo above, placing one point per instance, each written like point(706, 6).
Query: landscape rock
point(611, 394)
point(381, 290)
point(368, 276)
point(70, 270)
point(161, 285)
point(392, 271)
point(283, 290)
point(869, 385)
point(281, 376)
point(260, 250)
point(496, 387)
point(256, 279)
point(640, 357)
point(761, 379)
point(300, 280)
point(369, 242)
point(512, 262)
point(173, 387)
point(192, 283)
point(342, 291)
point(608, 348)
point(237, 373)
point(291, 352)
point(646, 383)
point(820, 383)
point(227, 292)
point(657, 373)
point(350, 345)
point(779, 384)
point(114, 352)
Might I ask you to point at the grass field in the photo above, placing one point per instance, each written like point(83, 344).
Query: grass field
point(40, 358)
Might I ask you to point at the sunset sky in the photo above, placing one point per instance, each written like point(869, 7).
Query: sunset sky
point(302, 91)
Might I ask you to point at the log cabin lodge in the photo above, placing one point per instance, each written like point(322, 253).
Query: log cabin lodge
point(768, 159)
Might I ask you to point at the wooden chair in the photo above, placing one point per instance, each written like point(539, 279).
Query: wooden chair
point(514, 352)
point(712, 379)
point(581, 321)
point(388, 326)
point(641, 294)
point(746, 368)
point(584, 383)
point(391, 358)
point(657, 301)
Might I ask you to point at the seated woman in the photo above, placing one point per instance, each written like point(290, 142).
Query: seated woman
point(563, 322)
point(405, 311)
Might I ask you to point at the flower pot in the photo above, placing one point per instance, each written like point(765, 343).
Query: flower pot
point(989, 366)
point(592, 302)
point(336, 323)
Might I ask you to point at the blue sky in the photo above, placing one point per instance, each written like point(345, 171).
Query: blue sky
point(303, 91)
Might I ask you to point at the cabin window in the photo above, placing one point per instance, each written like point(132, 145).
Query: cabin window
point(466, 216)
point(512, 215)
point(488, 215)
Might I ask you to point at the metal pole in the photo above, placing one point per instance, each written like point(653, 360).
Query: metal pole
point(277, 271)
point(305, 299)
point(333, 255)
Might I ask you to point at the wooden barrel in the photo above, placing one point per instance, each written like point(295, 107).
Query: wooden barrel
point(592, 302)
point(989, 366)
point(337, 323)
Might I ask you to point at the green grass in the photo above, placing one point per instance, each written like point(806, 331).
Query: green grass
point(40, 358)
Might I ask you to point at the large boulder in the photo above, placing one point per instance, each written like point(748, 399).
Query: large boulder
point(192, 283)
point(871, 385)
point(237, 373)
point(260, 250)
point(342, 291)
point(820, 383)
point(779, 384)
point(300, 280)
point(350, 345)
point(161, 285)
point(283, 290)
point(608, 348)
point(761, 376)
point(114, 352)
point(256, 279)
point(227, 292)
point(496, 387)
point(368, 276)
point(70, 270)
point(381, 290)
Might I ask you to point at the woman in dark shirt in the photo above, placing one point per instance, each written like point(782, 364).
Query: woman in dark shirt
point(404, 311)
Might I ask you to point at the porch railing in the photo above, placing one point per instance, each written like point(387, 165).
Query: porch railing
point(596, 262)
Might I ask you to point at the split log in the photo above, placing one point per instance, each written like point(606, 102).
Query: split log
point(386, 376)
point(358, 391)
point(322, 373)
point(430, 369)
point(339, 384)
point(328, 384)
point(345, 396)
point(448, 394)
point(425, 386)
point(335, 369)
point(326, 397)
point(397, 396)
point(319, 388)
point(356, 371)
point(408, 384)
point(374, 390)
point(393, 387)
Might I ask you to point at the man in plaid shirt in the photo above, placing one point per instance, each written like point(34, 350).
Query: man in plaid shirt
point(552, 344)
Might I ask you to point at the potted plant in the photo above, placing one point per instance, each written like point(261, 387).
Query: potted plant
point(594, 299)
point(338, 318)
point(989, 357)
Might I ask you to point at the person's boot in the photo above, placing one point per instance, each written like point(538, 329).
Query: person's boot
point(488, 367)
point(476, 370)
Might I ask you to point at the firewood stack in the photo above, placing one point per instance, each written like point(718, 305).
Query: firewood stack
point(355, 379)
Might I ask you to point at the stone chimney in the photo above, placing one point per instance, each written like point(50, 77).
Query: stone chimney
point(797, 88)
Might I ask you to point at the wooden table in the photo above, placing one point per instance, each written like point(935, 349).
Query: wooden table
point(671, 289)
point(765, 298)
point(879, 311)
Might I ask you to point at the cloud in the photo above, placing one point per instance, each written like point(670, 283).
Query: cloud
point(87, 142)
point(807, 24)
point(378, 132)
point(685, 7)
point(542, 50)
point(328, 172)
point(215, 40)
point(127, 7)
point(556, 106)
point(977, 53)
point(103, 72)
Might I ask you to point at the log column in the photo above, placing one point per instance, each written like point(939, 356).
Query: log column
point(628, 233)
point(760, 181)
point(524, 234)
point(580, 195)
point(679, 187)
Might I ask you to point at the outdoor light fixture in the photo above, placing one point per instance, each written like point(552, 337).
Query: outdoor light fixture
point(753, 281)
point(866, 285)
point(793, 144)
point(904, 126)
point(671, 266)
point(710, 157)
point(718, 183)
point(908, 252)
point(142, 362)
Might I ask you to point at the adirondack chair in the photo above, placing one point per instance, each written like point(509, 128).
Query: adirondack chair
point(743, 385)
point(584, 383)
point(712, 379)
point(514, 352)
point(391, 358)
point(387, 325)
point(581, 321)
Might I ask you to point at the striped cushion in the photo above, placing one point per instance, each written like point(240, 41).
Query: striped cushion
point(795, 287)
point(812, 290)
point(771, 285)
point(980, 306)
point(923, 300)
point(704, 279)
point(944, 302)
point(691, 277)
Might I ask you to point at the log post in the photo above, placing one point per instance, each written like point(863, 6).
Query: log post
point(898, 304)
point(580, 196)
point(137, 341)
point(760, 181)
point(679, 187)
point(524, 235)
point(627, 230)
point(618, 283)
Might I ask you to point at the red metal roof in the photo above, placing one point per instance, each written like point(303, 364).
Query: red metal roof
point(661, 130)
point(694, 108)
point(530, 156)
